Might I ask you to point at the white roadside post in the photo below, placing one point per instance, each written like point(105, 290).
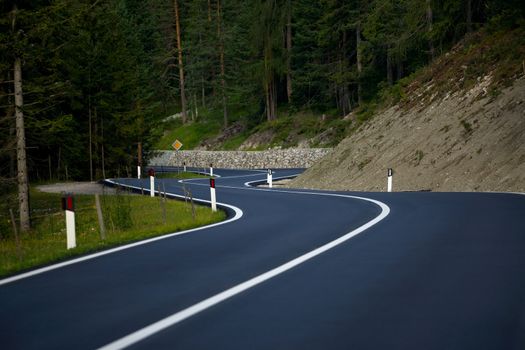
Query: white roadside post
point(269, 178)
point(389, 183)
point(184, 166)
point(151, 174)
point(139, 159)
point(212, 195)
point(211, 169)
point(68, 205)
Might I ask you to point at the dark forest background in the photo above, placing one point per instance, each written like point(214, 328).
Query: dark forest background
point(98, 77)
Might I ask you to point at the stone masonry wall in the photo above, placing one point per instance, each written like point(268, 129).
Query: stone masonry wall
point(282, 158)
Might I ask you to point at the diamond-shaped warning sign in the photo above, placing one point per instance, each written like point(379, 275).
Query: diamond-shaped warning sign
point(177, 145)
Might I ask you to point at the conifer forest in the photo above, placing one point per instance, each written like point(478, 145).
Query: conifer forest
point(84, 84)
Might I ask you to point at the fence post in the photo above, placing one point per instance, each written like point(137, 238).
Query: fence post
point(100, 218)
point(68, 205)
point(151, 174)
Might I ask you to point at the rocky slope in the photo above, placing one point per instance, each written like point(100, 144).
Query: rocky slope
point(469, 140)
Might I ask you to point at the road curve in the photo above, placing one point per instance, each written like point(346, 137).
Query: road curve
point(408, 270)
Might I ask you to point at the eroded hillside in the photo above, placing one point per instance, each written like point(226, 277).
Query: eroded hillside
point(451, 132)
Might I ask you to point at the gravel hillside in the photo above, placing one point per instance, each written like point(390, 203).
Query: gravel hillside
point(470, 140)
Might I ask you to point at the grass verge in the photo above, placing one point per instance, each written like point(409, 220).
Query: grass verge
point(127, 218)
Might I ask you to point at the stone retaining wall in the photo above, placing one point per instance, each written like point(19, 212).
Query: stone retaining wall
point(285, 158)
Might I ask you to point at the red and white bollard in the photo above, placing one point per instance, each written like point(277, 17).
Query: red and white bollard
point(269, 178)
point(138, 171)
point(389, 181)
point(68, 205)
point(212, 195)
point(211, 169)
point(151, 174)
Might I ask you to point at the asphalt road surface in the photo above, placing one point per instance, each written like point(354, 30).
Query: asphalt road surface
point(292, 269)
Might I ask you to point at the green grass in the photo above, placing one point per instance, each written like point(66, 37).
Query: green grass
point(191, 135)
point(127, 218)
point(235, 142)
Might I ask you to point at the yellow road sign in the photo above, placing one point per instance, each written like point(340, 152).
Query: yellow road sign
point(177, 145)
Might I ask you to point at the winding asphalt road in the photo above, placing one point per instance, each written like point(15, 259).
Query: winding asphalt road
point(292, 270)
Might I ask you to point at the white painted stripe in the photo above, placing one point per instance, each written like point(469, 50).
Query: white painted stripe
point(249, 183)
point(238, 214)
point(180, 316)
point(224, 177)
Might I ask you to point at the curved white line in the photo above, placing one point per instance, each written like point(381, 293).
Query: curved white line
point(260, 172)
point(249, 183)
point(182, 315)
point(238, 214)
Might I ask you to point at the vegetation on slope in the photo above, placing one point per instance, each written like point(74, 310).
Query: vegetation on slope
point(127, 218)
point(456, 125)
point(99, 77)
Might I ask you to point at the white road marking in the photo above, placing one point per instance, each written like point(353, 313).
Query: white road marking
point(182, 315)
point(192, 181)
point(238, 214)
point(249, 183)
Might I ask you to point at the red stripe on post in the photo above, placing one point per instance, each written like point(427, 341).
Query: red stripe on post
point(212, 183)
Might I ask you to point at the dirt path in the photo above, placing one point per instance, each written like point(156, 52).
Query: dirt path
point(77, 188)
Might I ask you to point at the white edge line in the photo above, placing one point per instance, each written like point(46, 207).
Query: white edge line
point(237, 216)
point(182, 315)
point(249, 183)
point(222, 177)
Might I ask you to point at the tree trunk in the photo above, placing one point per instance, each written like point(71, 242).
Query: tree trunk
point(469, 16)
point(400, 69)
point(389, 75)
point(273, 100)
point(96, 160)
point(270, 94)
point(181, 67)
point(139, 154)
point(102, 156)
point(289, 53)
point(50, 170)
point(23, 191)
point(12, 128)
point(220, 37)
point(430, 22)
point(268, 81)
point(196, 106)
point(359, 63)
point(347, 105)
point(90, 141)
point(59, 160)
point(267, 100)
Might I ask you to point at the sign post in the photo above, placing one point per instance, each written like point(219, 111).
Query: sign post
point(269, 178)
point(212, 195)
point(151, 174)
point(389, 181)
point(68, 205)
point(177, 145)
